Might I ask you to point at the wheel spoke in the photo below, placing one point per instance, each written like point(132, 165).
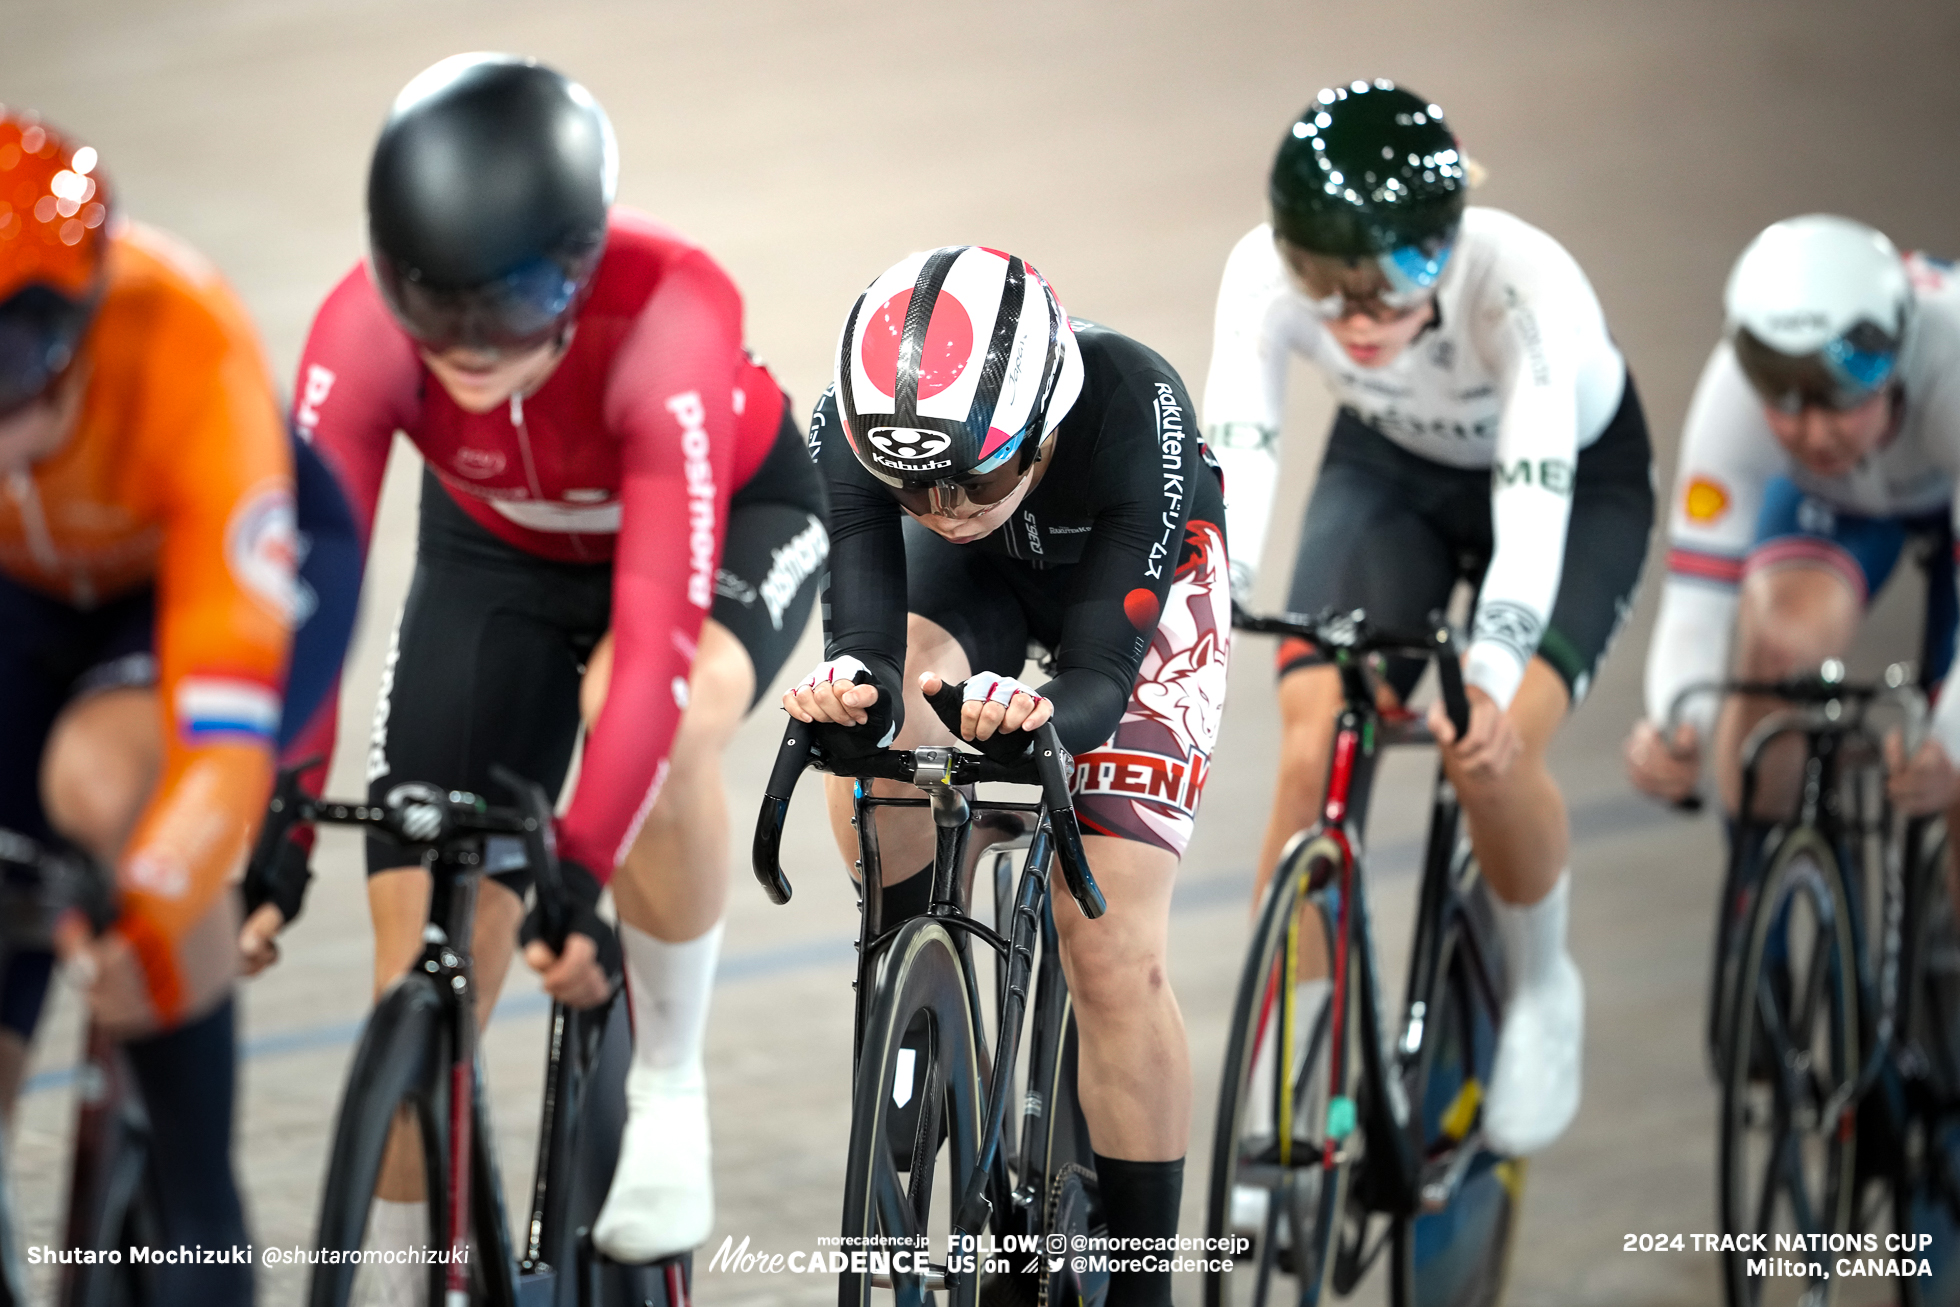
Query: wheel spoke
point(1772, 1168)
point(1790, 1162)
point(925, 1139)
point(889, 1197)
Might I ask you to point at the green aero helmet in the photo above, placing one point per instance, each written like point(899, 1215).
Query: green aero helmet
point(1370, 173)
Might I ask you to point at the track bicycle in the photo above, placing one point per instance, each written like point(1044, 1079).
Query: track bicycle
point(1337, 1137)
point(1833, 1004)
point(932, 1157)
point(111, 1203)
point(417, 1055)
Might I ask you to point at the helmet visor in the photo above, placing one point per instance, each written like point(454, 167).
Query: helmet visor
point(1382, 286)
point(1845, 373)
point(518, 311)
point(39, 330)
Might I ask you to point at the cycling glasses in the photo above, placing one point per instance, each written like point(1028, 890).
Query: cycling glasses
point(520, 310)
point(1845, 373)
point(40, 329)
point(992, 480)
point(1385, 287)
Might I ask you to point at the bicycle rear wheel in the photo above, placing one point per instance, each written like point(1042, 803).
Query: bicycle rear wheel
point(396, 1069)
point(1286, 1144)
point(1793, 1044)
point(899, 1200)
point(1456, 1252)
point(1926, 1186)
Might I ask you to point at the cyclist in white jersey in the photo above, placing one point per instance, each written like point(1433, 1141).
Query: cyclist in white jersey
point(1489, 433)
point(1824, 437)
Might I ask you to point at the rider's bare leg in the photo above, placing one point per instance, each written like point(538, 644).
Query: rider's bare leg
point(1518, 828)
point(1790, 619)
point(670, 893)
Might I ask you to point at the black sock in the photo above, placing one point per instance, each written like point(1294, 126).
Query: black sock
point(1140, 1201)
point(906, 899)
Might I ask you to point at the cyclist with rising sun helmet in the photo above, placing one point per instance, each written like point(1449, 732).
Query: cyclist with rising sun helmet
point(619, 522)
point(1823, 439)
point(146, 598)
point(1488, 432)
point(999, 473)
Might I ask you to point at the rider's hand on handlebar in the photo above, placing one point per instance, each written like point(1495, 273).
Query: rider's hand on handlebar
point(839, 693)
point(1660, 768)
point(574, 975)
point(1925, 786)
point(258, 939)
point(994, 705)
point(1491, 745)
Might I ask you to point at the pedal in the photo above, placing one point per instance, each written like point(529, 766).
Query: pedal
point(668, 1282)
point(1439, 1184)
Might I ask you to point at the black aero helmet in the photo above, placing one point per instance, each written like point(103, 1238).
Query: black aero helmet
point(1370, 172)
point(487, 202)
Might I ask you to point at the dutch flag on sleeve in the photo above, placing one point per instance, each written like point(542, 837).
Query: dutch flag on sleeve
point(212, 708)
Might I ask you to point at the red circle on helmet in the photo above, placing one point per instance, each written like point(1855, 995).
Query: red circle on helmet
point(948, 346)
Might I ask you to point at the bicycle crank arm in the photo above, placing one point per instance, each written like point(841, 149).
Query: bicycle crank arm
point(934, 1280)
point(1439, 1184)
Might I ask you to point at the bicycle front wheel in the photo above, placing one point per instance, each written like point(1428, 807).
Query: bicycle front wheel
point(1287, 1142)
point(394, 1077)
point(909, 1161)
point(1456, 1250)
point(1787, 1162)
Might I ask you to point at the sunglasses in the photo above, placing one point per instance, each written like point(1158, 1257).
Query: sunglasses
point(1398, 284)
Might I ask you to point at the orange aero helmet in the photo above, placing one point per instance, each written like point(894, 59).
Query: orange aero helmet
point(54, 217)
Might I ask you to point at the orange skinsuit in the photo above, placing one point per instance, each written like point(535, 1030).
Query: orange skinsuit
point(178, 473)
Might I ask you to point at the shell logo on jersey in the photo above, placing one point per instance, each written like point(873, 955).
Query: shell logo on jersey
point(1706, 500)
point(262, 548)
point(478, 464)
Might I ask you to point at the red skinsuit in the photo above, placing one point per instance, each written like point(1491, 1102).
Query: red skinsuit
point(628, 453)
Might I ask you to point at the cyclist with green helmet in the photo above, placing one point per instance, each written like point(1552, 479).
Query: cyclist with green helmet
point(1488, 432)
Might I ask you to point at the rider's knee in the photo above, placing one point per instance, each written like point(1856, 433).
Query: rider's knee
point(1112, 980)
point(99, 767)
point(1309, 699)
point(1792, 620)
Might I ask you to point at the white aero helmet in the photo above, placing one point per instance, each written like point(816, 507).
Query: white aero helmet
point(951, 369)
point(1817, 312)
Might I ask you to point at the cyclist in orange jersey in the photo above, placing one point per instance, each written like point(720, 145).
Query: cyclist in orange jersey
point(147, 558)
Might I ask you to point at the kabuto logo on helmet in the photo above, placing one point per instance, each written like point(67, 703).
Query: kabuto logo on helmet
point(908, 445)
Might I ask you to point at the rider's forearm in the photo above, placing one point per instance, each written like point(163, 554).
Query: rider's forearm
point(1690, 644)
point(1088, 704)
point(1249, 457)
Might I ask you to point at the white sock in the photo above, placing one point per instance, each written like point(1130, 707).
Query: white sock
point(1534, 934)
point(394, 1227)
point(670, 986)
point(662, 1196)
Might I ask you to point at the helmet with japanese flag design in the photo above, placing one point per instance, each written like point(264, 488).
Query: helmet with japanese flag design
point(952, 369)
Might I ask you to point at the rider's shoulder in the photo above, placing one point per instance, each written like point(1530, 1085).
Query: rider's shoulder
point(1111, 360)
point(642, 255)
point(167, 313)
point(1933, 344)
point(1496, 241)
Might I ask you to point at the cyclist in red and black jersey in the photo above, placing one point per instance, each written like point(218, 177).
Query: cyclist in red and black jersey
point(619, 525)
